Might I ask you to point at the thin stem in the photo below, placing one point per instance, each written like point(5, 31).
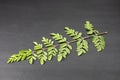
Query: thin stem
point(90, 36)
point(86, 37)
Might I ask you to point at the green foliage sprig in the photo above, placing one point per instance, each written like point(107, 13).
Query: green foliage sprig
point(49, 49)
point(97, 39)
point(82, 44)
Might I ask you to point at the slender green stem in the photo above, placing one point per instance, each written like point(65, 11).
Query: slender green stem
point(89, 36)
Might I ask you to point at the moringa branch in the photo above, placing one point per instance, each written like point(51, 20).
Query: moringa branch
point(63, 48)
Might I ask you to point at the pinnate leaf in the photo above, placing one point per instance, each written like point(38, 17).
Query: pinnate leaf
point(99, 42)
point(82, 47)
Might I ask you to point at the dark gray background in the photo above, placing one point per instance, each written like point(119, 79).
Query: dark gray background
point(25, 21)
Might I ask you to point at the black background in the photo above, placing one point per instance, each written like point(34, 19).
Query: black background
point(25, 21)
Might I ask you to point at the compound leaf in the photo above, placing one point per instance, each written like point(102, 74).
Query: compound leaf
point(99, 42)
point(88, 26)
point(74, 34)
point(82, 47)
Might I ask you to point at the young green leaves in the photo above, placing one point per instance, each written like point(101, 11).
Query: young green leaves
point(22, 55)
point(41, 54)
point(74, 34)
point(89, 27)
point(82, 45)
point(64, 46)
point(97, 40)
point(46, 51)
point(51, 49)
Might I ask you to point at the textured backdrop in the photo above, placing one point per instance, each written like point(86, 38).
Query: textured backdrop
point(25, 21)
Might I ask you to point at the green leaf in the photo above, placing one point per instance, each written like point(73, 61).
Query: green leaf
point(42, 61)
point(52, 52)
point(74, 34)
point(37, 46)
point(63, 45)
point(90, 32)
point(44, 58)
point(76, 37)
point(50, 48)
point(35, 43)
point(69, 46)
point(88, 25)
point(62, 40)
point(67, 50)
point(56, 36)
point(99, 42)
point(33, 57)
point(50, 57)
point(24, 57)
point(64, 54)
point(39, 51)
point(31, 60)
point(70, 32)
point(80, 52)
point(18, 58)
point(59, 57)
point(29, 53)
point(67, 28)
point(10, 60)
point(53, 34)
point(14, 58)
point(34, 54)
point(47, 42)
point(45, 53)
point(82, 47)
point(29, 57)
point(79, 43)
point(85, 45)
point(14, 55)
